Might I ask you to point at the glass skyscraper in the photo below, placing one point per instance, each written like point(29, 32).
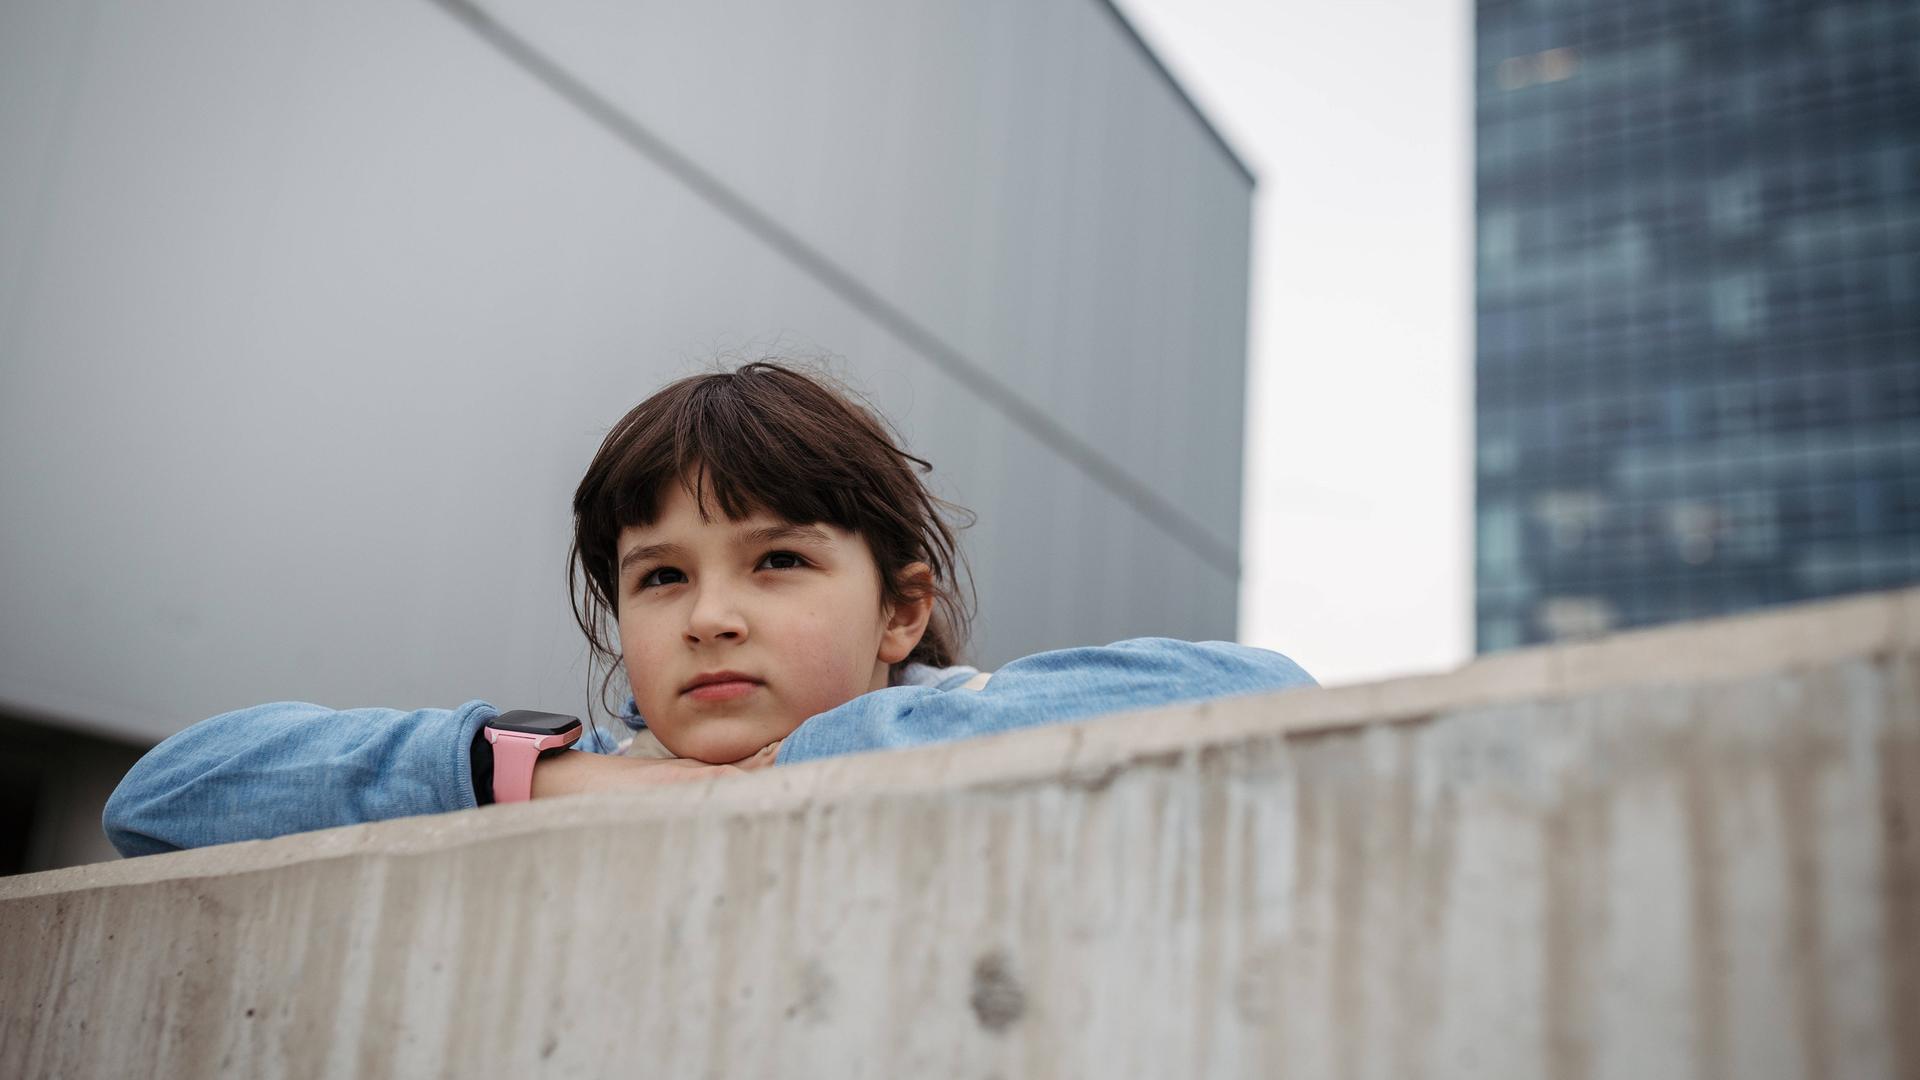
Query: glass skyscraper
point(1698, 308)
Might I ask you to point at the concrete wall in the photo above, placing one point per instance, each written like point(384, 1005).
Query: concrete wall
point(1688, 852)
point(312, 313)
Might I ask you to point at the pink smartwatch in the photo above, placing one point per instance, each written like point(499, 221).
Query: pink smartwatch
point(519, 739)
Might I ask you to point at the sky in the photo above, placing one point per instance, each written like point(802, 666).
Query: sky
point(1357, 510)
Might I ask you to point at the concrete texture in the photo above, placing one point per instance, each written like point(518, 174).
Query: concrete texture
point(1693, 851)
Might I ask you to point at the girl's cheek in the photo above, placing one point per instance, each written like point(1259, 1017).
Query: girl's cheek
point(641, 668)
point(835, 673)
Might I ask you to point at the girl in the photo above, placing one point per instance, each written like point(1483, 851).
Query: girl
point(761, 561)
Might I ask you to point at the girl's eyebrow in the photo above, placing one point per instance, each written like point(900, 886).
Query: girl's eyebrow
point(766, 534)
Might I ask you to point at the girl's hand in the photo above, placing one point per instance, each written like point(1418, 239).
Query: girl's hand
point(761, 760)
point(576, 772)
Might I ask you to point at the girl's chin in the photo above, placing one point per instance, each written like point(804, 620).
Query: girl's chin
point(721, 741)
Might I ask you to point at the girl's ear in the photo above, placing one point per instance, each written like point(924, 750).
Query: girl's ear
point(907, 620)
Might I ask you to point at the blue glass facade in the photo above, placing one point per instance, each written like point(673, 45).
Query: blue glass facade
point(1698, 299)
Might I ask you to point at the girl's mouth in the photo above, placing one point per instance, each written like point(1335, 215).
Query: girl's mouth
point(722, 691)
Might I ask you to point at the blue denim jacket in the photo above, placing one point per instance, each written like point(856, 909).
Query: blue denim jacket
point(289, 767)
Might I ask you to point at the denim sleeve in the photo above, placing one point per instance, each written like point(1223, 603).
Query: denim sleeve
point(289, 767)
point(1046, 688)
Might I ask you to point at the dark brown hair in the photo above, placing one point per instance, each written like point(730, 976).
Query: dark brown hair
point(794, 443)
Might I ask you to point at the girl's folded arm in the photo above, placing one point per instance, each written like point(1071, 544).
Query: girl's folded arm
point(289, 767)
point(1061, 686)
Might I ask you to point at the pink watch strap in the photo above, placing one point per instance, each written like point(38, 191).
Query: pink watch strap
point(514, 755)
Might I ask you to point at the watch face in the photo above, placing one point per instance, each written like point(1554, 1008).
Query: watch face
point(535, 723)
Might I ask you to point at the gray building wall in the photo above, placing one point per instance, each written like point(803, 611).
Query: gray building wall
point(312, 314)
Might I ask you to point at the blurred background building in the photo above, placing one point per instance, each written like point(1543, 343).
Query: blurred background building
point(1698, 308)
point(312, 314)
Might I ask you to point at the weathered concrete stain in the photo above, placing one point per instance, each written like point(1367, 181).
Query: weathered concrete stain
point(1706, 894)
point(1900, 881)
point(1353, 873)
point(1797, 775)
point(996, 996)
point(1715, 878)
point(1574, 837)
point(813, 994)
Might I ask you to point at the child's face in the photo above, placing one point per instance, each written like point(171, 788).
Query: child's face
point(794, 609)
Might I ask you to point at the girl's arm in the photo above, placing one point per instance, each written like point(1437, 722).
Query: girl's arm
point(1046, 688)
point(290, 767)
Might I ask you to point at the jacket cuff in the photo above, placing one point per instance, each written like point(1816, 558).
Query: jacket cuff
point(473, 756)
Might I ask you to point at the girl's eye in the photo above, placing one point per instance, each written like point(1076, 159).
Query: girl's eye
point(782, 560)
point(772, 560)
point(652, 580)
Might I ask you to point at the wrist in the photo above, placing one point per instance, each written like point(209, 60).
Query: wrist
point(566, 773)
point(521, 741)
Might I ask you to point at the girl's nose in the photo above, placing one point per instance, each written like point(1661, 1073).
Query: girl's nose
point(715, 617)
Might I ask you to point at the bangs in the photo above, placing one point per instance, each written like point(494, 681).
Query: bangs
point(736, 456)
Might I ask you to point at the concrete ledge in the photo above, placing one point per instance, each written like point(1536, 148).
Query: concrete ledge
point(1694, 850)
